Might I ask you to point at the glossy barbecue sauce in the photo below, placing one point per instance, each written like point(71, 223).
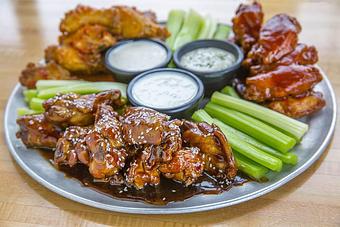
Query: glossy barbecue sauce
point(167, 191)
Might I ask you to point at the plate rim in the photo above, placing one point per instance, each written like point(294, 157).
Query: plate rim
point(176, 210)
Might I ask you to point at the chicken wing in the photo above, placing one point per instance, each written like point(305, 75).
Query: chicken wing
point(71, 147)
point(89, 39)
point(35, 131)
point(106, 145)
point(278, 37)
point(217, 154)
point(186, 166)
point(143, 126)
point(302, 55)
point(297, 107)
point(283, 81)
point(247, 24)
point(50, 71)
point(78, 110)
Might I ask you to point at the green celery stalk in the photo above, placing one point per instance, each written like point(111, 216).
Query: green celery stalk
point(174, 24)
point(250, 168)
point(190, 29)
point(285, 124)
point(202, 115)
point(212, 28)
point(251, 126)
point(287, 158)
point(46, 84)
point(36, 104)
point(229, 90)
point(204, 32)
point(29, 94)
point(25, 111)
point(222, 32)
point(243, 147)
point(84, 88)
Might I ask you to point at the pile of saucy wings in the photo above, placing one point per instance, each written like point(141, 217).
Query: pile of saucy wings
point(135, 148)
point(279, 71)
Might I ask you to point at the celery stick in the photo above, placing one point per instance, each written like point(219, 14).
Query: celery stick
point(36, 104)
point(287, 158)
point(46, 84)
point(204, 32)
point(25, 111)
point(222, 32)
point(250, 168)
point(251, 126)
point(174, 24)
point(29, 94)
point(190, 29)
point(212, 28)
point(202, 115)
point(84, 88)
point(244, 148)
point(286, 124)
point(229, 90)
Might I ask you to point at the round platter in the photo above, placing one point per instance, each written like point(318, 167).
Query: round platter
point(309, 150)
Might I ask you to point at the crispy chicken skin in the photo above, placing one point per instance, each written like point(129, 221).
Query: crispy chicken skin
point(247, 24)
point(297, 107)
point(282, 82)
point(144, 168)
point(89, 39)
point(78, 110)
point(216, 152)
point(143, 126)
point(35, 131)
point(50, 71)
point(302, 55)
point(71, 147)
point(106, 145)
point(122, 21)
point(186, 166)
point(278, 37)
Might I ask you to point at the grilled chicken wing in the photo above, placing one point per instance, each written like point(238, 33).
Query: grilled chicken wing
point(106, 145)
point(143, 169)
point(89, 39)
point(71, 147)
point(217, 154)
point(186, 166)
point(35, 131)
point(302, 55)
point(278, 37)
point(78, 110)
point(247, 24)
point(143, 126)
point(283, 81)
point(297, 107)
point(50, 71)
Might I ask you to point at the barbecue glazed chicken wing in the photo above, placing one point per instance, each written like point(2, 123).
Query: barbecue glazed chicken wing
point(78, 110)
point(35, 131)
point(50, 71)
point(282, 82)
point(247, 24)
point(297, 107)
point(278, 37)
point(216, 152)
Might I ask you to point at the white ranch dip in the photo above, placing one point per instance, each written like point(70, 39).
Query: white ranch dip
point(164, 90)
point(207, 59)
point(137, 56)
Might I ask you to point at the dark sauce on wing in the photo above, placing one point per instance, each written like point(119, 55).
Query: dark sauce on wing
point(167, 191)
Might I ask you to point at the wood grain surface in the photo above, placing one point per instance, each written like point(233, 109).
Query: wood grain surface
point(312, 199)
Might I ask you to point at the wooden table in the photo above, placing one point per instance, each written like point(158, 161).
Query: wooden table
point(313, 198)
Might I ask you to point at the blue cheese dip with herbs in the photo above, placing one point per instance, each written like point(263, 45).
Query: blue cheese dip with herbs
point(207, 59)
point(137, 56)
point(164, 90)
